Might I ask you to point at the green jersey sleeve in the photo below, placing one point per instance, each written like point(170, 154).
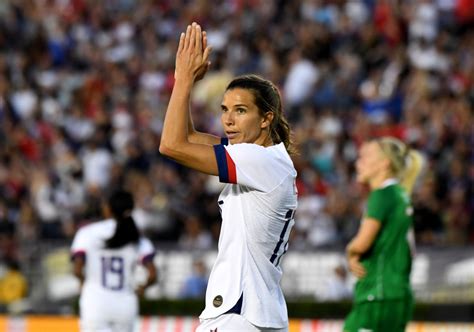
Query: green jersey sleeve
point(378, 205)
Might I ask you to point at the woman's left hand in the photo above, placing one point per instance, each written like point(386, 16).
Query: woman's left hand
point(192, 57)
point(356, 267)
point(140, 291)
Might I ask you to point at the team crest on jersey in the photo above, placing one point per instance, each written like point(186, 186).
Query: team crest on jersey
point(217, 302)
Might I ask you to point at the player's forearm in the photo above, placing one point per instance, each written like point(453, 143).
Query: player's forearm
point(353, 249)
point(175, 127)
point(365, 237)
point(152, 275)
point(198, 137)
point(151, 279)
point(191, 130)
point(78, 268)
point(193, 135)
point(79, 275)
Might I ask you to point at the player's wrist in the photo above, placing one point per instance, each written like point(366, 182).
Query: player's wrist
point(185, 80)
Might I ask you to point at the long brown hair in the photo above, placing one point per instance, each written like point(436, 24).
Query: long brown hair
point(121, 205)
point(267, 98)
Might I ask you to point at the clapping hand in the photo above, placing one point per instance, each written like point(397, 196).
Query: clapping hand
point(192, 57)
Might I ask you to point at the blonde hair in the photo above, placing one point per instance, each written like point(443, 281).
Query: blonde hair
point(405, 163)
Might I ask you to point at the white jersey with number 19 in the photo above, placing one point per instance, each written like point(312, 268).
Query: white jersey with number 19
point(108, 292)
point(257, 208)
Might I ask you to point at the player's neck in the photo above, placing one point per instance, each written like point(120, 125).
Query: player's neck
point(379, 180)
point(265, 140)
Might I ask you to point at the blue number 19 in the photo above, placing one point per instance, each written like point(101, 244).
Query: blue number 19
point(112, 272)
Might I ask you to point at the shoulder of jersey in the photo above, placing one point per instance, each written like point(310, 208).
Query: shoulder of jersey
point(98, 226)
point(247, 147)
point(251, 149)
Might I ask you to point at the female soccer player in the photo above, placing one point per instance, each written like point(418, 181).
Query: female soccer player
point(380, 255)
point(104, 255)
point(258, 203)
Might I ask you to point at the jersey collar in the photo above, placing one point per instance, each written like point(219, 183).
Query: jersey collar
point(389, 182)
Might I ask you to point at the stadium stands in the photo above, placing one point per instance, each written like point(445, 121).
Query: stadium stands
point(84, 85)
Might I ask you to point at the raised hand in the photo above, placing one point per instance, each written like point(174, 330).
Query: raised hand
point(192, 57)
point(205, 68)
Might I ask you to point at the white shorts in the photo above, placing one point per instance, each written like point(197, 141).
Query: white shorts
point(232, 323)
point(107, 313)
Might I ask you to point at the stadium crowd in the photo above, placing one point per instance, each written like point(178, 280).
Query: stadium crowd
point(84, 85)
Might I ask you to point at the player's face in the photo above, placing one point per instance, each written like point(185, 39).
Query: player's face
point(370, 162)
point(241, 119)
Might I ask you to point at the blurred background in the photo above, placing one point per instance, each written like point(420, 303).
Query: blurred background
point(84, 86)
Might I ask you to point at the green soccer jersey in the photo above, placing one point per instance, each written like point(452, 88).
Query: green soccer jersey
point(388, 261)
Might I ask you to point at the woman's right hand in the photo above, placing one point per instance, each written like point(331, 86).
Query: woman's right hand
point(192, 57)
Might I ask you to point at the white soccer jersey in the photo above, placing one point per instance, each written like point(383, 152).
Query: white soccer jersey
point(257, 210)
point(108, 293)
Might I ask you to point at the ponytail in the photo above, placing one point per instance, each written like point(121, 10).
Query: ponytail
point(405, 163)
point(280, 133)
point(413, 166)
point(126, 231)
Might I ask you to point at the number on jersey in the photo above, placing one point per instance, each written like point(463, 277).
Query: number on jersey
point(275, 259)
point(112, 272)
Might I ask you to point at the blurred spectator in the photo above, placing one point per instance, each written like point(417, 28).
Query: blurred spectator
point(194, 236)
point(48, 211)
point(97, 163)
point(195, 285)
point(13, 284)
point(83, 89)
point(8, 246)
point(338, 286)
point(313, 220)
point(457, 216)
point(300, 81)
point(428, 221)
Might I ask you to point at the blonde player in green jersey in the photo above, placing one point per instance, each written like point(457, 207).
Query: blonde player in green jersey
point(380, 255)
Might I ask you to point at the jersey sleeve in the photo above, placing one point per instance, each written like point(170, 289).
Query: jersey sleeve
point(249, 165)
point(80, 244)
point(378, 206)
point(146, 250)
